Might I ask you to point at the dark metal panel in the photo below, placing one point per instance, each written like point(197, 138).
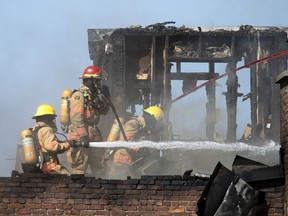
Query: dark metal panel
point(215, 191)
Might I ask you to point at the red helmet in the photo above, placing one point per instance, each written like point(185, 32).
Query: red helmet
point(92, 72)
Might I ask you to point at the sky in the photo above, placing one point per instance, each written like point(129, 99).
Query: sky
point(44, 46)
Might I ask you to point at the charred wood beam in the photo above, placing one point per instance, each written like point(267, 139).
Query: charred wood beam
point(166, 71)
point(179, 59)
point(196, 76)
point(153, 77)
point(210, 105)
point(159, 26)
point(231, 102)
point(200, 46)
point(178, 67)
point(264, 93)
point(253, 41)
point(117, 77)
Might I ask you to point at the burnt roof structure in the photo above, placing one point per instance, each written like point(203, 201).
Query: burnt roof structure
point(138, 63)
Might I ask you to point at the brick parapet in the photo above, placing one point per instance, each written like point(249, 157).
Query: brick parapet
point(78, 195)
point(42, 194)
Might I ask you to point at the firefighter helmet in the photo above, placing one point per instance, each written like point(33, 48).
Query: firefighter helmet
point(155, 111)
point(43, 110)
point(92, 72)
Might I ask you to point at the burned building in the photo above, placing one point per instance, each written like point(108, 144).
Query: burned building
point(142, 62)
point(138, 62)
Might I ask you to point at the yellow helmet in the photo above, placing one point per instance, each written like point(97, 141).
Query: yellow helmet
point(44, 109)
point(155, 111)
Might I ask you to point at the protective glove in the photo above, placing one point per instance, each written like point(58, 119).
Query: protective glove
point(84, 142)
point(71, 142)
point(64, 146)
point(81, 143)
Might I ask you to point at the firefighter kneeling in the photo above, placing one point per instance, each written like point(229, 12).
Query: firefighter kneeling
point(146, 127)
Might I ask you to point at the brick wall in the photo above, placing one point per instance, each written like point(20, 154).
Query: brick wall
point(275, 200)
point(42, 194)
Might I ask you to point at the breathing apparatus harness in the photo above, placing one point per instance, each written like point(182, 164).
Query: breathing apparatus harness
point(40, 156)
point(43, 156)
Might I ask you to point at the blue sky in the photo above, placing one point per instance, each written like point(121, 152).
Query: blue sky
point(44, 46)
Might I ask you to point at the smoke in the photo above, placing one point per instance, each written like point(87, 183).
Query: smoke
point(188, 115)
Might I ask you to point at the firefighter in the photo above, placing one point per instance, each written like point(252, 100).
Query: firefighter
point(146, 127)
point(49, 145)
point(86, 105)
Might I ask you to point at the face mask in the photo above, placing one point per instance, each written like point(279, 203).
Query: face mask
point(54, 126)
point(92, 84)
point(89, 83)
